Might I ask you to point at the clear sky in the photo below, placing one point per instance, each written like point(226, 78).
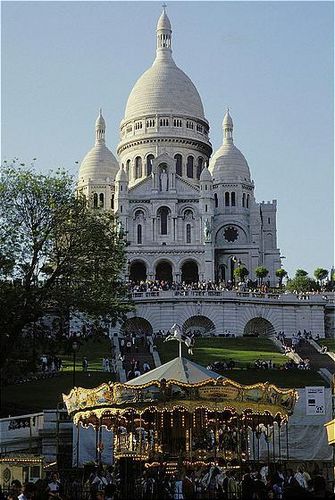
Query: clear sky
point(271, 62)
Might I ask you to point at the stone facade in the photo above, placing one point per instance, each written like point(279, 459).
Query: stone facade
point(188, 216)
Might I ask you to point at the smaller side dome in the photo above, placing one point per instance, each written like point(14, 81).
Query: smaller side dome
point(121, 175)
point(205, 175)
point(99, 165)
point(228, 163)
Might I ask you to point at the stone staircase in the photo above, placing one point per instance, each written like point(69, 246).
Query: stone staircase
point(318, 361)
point(138, 352)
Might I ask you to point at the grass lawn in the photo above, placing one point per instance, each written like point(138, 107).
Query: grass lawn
point(330, 343)
point(94, 349)
point(244, 351)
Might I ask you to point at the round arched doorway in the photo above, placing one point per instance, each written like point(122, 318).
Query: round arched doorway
point(137, 271)
point(136, 325)
point(259, 327)
point(164, 271)
point(199, 325)
point(189, 272)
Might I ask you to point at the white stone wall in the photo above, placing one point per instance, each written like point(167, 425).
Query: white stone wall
point(231, 312)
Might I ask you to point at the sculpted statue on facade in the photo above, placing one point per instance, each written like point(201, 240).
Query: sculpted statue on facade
point(207, 231)
point(164, 180)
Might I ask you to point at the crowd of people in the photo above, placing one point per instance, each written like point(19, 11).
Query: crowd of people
point(49, 363)
point(204, 286)
point(200, 286)
point(197, 482)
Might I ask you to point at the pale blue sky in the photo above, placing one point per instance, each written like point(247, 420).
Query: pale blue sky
point(271, 62)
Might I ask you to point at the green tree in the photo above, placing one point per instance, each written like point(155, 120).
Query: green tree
point(301, 284)
point(300, 273)
point(240, 273)
point(261, 273)
point(56, 254)
point(320, 274)
point(281, 273)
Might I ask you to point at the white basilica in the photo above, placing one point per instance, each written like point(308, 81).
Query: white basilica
point(188, 215)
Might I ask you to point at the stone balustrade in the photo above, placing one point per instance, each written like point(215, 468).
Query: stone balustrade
point(230, 295)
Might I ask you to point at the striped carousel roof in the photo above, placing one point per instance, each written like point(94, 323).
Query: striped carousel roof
point(179, 369)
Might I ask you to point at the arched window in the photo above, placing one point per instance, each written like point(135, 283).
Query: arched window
point(95, 200)
point(163, 213)
point(128, 167)
point(179, 164)
point(189, 167)
point(216, 201)
point(248, 197)
point(200, 166)
point(188, 215)
point(243, 200)
point(188, 233)
point(112, 202)
point(233, 199)
point(101, 200)
point(150, 159)
point(139, 234)
point(226, 199)
point(138, 167)
point(139, 214)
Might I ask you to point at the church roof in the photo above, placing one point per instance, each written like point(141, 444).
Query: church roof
point(179, 369)
point(164, 88)
point(121, 175)
point(99, 163)
point(164, 21)
point(227, 120)
point(228, 164)
point(205, 175)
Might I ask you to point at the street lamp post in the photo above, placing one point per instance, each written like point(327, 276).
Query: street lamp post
point(75, 347)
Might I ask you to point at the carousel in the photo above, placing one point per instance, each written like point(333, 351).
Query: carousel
point(182, 413)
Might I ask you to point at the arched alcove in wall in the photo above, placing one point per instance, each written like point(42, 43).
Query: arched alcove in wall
point(136, 325)
point(164, 271)
point(199, 325)
point(137, 271)
point(259, 327)
point(190, 272)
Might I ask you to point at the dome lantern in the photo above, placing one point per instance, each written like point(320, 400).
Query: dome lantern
point(227, 126)
point(164, 39)
point(100, 129)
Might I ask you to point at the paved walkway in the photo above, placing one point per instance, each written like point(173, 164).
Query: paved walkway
point(317, 360)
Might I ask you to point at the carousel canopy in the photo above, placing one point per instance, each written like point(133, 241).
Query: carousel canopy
point(179, 369)
point(180, 383)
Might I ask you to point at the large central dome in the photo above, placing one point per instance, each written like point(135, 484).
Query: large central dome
point(164, 88)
